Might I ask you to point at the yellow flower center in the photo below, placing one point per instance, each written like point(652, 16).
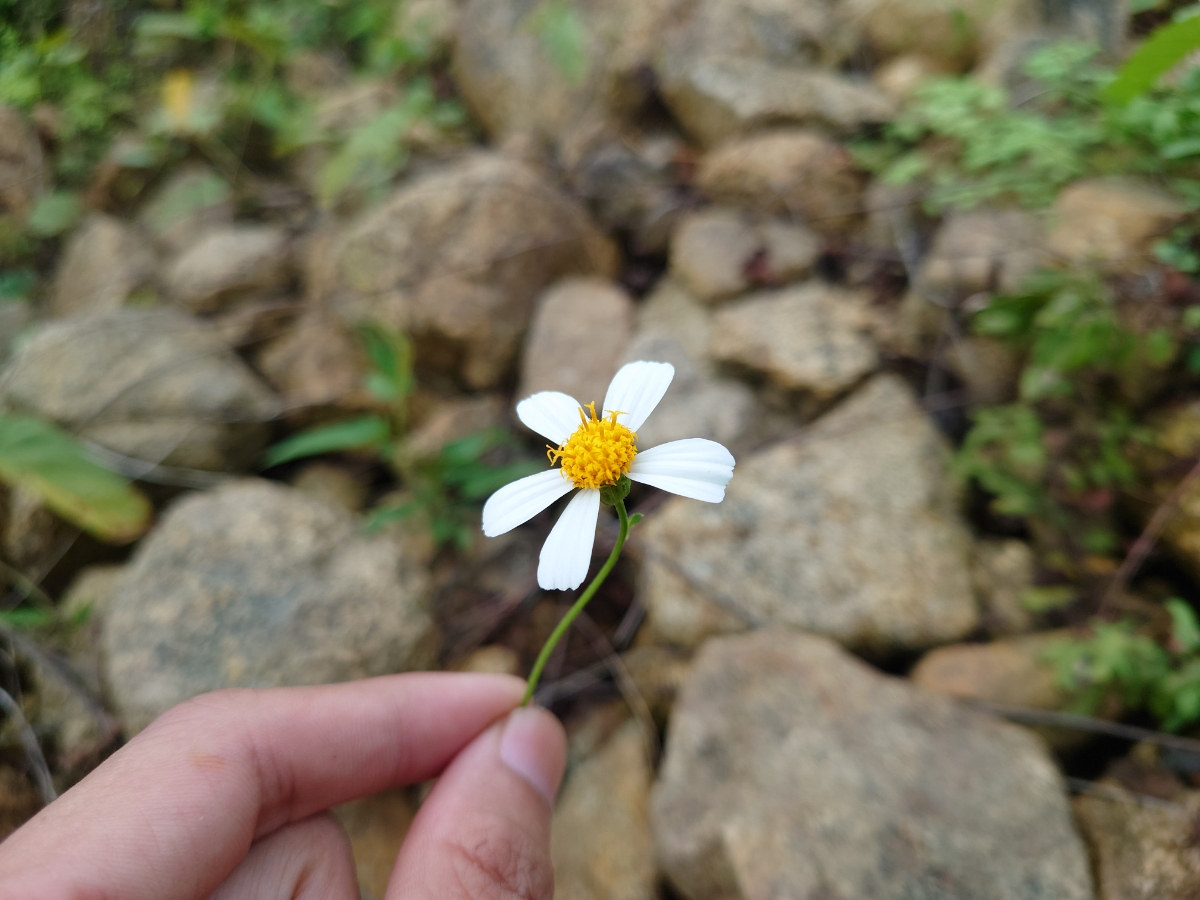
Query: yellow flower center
point(598, 453)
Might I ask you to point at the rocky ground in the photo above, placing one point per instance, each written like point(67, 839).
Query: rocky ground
point(764, 700)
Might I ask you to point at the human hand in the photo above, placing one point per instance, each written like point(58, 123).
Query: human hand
point(226, 796)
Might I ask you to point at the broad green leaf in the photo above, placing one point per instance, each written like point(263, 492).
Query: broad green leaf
point(55, 213)
point(50, 463)
point(1155, 57)
point(1185, 629)
point(355, 434)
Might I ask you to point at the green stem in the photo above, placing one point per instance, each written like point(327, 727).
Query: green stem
point(544, 657)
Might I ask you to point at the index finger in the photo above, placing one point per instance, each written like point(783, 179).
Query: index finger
point(168, 816)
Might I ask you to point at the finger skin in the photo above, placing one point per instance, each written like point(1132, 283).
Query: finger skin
point(169, 815)
point(484, 831)
point(307, 860)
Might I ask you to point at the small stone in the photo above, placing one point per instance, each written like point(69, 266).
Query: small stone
point(794, 770)
point(319, 361)
point(802, 338)
point(193, 201)
point(657, 673)
point(331, 484)
point(227, 263)
point(850, 529)
point(901, 76)
point(982, 250)
point(790, 171)
point(988, 366)
point(376, 827)
point(580, 328)
point(33, 536)
point(1141, 852)
point(790, 250)
point(494, 659)
point(255, 584)
point(711, 251)
point(155, 385)
point(457, 257)
point(1112, 222)
point(1002, 570)
point(601, 840)
point(452, 420)
point(23, 171)
point(104, 263)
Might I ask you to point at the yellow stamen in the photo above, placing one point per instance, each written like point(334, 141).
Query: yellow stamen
point(598, 453)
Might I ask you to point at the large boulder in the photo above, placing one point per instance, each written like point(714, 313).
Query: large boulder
point(602, 846)
point(104, 263)
point(805, 338)
point(794, 770)
point(850, 529)
point(155, 385)
point(788, 171)
point(457, 258)
point(256, 584)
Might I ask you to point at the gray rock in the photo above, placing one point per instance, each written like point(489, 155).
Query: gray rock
point(794, 770)
point(105, 261)
point(674, 327)
point(579, 331)
point(155, 385)
point(1112, 222)
point(602, 846)
point(23, 172)
point(982, 250)
point(1141, 852)
point(318, 361)
point(850, 529)
point(191, 202)
point(457, 258)
point(718, 253)
point(1002, 570)
point(789, 171)
point(227, 263)
point(717, 98)
point(256, 584)
point(807, 338)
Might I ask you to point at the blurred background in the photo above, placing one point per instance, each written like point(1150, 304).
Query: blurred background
point(273, 274)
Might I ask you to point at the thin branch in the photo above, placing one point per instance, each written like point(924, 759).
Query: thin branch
point(1032, 716)
point(33, 752)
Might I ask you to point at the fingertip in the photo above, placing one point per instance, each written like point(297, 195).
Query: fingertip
point(534, 746)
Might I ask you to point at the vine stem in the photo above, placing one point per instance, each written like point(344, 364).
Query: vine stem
point(572, 614)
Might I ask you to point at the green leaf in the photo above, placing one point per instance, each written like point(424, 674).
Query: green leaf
point(1044, 599)
point(50, 463)
point(27, 618)
point(1156, 56)
point(391, 356)
point(562, 34)
point(355, 434)
point(1185, 628)
point(55, 213)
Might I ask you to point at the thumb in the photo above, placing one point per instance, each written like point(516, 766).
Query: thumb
point(484, 831)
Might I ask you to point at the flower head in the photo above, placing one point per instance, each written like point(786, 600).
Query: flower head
point(590, 452)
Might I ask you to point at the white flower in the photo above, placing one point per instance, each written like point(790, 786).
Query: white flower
point(594, 452)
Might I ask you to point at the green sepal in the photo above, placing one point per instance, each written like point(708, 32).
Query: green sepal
point(635, 518)
point(612, 494)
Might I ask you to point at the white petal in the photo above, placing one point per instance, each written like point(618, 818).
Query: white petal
point(693, 468)
point(522, 500)
point(636, 390)
point(552, 414)
point(567, 552)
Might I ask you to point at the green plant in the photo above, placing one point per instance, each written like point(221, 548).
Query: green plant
point(1118, 660)
point(443, 487)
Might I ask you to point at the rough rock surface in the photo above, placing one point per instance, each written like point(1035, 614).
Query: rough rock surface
point(719, 253)
point(456, 258)
point(1111, 222)
point(228, 263)
point(579, 331)
point(156, 385)
point(1142, 852)
point(104, 262)
point(673, 327)
point(255, 584)
point(804, 338)
point(191, 202)
point(23, 172)
point(602, 846)
point(1002, 570)
point(982, 250)
point(794, 770)
point(850, 529)
point(727, 67)
point(317, 361)
point(789, 171)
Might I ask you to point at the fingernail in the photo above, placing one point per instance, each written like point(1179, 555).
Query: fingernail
point(533, 746)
